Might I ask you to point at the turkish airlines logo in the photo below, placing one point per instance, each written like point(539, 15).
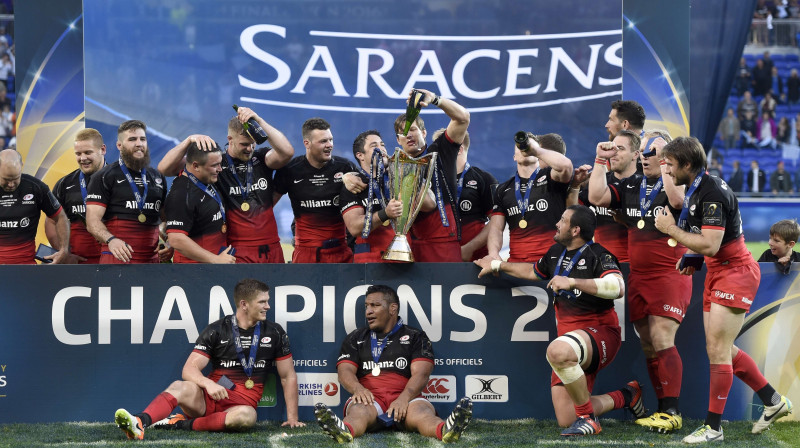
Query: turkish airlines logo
point(331, 389)
point(440, 389)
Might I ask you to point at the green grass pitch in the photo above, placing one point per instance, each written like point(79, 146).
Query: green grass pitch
point(481, 433)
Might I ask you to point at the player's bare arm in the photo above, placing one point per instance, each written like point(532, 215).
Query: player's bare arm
point(290, 395)
point(420, 373)
point(348, 380)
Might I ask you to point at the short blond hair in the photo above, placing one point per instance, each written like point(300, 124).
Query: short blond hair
point(90, 134)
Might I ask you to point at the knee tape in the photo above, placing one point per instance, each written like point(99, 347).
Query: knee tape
point(571, 374)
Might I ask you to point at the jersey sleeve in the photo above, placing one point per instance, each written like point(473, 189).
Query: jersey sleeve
point(617, 200)
point(47, 200)
point(497, 200)
point(177, 211)
point(99, 190)
point(714, 213)
point(606, 264)
point(58, 190)
point(206, 341)
point(280, 180)
point(283, 349)
point(544, 267)
point(423, 348)
point(489, 192)
point(349, 200)
point(349, 350)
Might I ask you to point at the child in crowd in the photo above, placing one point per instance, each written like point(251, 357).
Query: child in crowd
point(782, 237)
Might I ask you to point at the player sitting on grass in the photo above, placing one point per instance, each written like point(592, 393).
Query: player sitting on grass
point(385, 366)
point(226, 399)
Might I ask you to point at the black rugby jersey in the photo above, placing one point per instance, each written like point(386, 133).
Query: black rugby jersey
point(379, 236)
point(191, 210)
point(428, 225)
point(409, 344)
point(611, 234)
point(477, 195)
point(110, 188)
point(546, 204)
point(19, 218)
point(595, 262)
point(257, 225)
point(315, 198)
point(68, 192)
point(647, 247)
point(216, 343)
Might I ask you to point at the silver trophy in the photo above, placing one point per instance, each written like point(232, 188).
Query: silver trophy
point(409, 180)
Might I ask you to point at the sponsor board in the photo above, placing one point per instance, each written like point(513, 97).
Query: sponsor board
point(318, 388)
point(440, 388)
point(269, 398)
point(488, 388)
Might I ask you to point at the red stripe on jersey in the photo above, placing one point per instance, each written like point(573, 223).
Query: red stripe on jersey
point(613, 271)
point(96, 203)
point(422, 359)
point(177, 231)
point(614, 191)
point(56, 213)
point(202, 353)
point(284, 357)
point(347, 361)
point(714, 228)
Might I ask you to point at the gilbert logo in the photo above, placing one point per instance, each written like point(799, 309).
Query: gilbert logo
point(491, 388)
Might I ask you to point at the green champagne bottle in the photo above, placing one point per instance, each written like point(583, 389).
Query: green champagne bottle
point(413, 108)
point(253, 129)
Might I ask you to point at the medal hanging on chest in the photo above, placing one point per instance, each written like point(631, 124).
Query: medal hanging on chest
point(249, 363)
point(376, 346)
point(522, 202)
point(141, 198)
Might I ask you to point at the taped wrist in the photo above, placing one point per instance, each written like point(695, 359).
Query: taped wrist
point(607, 287)
point(496, 265)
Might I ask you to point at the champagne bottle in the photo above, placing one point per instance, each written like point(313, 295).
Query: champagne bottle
point(413, 108)
point(253, 129)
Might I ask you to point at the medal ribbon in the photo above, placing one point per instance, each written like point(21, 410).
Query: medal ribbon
point(438, 193)
point(522, 203)
point(243, 189)
point(685, 211)
point(646, 200)
point(141, 198)
point(249, 363)
point(378, 173)
point(461, 182)
point(209, 190)
point(568, 293)
point(378, 346)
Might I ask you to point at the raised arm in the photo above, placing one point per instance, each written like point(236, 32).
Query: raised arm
point(459, 116)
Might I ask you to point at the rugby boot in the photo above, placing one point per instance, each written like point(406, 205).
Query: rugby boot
point(458, 421)
point(129, 424)
point(772, 413)
point(169, 422)
point(663, 422)
point(636, 405)
point(704, 434)
point(331, 424)
point(584, 426)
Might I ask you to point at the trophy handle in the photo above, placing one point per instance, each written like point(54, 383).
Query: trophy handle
point(431, 170)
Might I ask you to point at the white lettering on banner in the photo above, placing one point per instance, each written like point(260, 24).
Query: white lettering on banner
point(315, 388)
point(3, 381)
point(175, 295)
point(478, 318)
point(375, 63)
point(428, 317)
point(518, 332)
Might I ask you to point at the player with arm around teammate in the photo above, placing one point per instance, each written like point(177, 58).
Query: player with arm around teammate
point(385, 366)
point(585, 280)
point(226, 399)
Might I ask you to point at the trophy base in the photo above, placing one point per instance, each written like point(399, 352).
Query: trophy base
point(399, 250)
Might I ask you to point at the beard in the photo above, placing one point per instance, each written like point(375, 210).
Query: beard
point(133, 163)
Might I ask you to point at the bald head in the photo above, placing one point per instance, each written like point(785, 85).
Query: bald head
point(10, 169)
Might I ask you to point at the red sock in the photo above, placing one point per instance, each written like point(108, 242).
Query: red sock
point(439, 428)
point(746, 370)
point(161, 406)
point(721, 380)
point(652, 371)
point(349, 427)
point(213, 422)
point(619, 399)
point(670, 371)
point(584, 409)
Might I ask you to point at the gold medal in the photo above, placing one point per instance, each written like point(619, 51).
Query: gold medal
point(523, 223)
point(672, 242)
point(640, 224)
point(142, 218)
point(376, 371)
point(387, 222)
point(224, 228)
point(245, 206)
point(249, 383)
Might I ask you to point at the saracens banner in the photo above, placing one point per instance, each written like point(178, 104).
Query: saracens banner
point(73, 340)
